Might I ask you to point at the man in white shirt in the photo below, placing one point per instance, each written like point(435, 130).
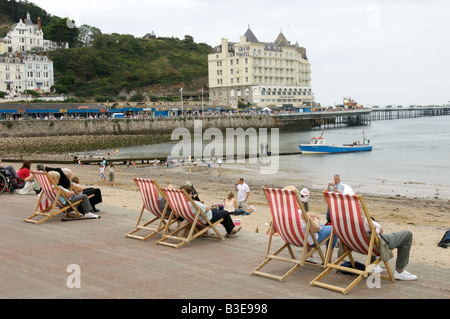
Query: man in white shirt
point(338, 187)
point(243, 192)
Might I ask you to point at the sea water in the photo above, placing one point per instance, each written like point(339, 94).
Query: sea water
point(410, 157)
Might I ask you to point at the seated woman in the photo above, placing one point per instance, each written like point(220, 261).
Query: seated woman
point(24, 173)
point(320, 232)
point(85, 205)
point(94, 200)
point(213, 214)
point(230, 204)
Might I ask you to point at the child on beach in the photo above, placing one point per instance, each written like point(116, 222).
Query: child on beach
point(102, 173)
point(111, 169)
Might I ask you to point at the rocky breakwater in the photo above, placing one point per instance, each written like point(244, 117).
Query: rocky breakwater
point(65, 146)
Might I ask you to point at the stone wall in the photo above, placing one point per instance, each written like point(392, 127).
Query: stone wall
point(37, 128)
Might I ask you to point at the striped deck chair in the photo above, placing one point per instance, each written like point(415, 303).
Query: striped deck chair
point(347, 220)
point(197, 222)
point(150, 191)
point(284, 205)
point(51, 195)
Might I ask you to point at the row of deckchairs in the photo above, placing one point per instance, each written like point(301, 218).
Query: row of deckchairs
point(348, 225)
point(285, 206)
point(195, 221)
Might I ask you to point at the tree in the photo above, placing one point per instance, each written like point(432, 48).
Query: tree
point(87, 35)
point(63, 31)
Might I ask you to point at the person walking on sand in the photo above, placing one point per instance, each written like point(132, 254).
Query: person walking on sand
point(111, 169)
point(243, 192)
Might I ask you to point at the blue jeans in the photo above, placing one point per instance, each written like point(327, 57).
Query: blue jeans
point(324, 232)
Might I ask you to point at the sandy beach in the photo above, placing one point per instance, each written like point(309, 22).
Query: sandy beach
point(426, 219)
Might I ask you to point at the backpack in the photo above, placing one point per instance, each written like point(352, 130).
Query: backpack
point(348, 264)
point(445, 241)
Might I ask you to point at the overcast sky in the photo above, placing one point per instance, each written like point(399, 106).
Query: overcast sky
point(378, 52)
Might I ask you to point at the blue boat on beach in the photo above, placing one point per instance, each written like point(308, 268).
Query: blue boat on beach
point(320, 146)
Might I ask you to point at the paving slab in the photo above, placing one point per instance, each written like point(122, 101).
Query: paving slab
point(91, 259)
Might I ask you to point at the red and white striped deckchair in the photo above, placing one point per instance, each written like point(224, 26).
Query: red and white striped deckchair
point(348, 224)
point(284, 205)
point(49, 203)
point(197, 222)
point(150, 191)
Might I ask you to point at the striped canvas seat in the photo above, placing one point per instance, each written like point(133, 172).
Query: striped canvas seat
point(286, 207)
point(149, 190)
point(348, 224)
point(285, 216)
point(195, 220)
point(179, 203)
point(345, 215)
point(50, 200)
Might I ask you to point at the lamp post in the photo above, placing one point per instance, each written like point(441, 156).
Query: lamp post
point(182, 110)
point(202, 101)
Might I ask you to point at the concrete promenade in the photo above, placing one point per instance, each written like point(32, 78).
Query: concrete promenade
point(36, 261)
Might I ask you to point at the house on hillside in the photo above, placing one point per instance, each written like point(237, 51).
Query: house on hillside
point(21, 71)
point(26, 36)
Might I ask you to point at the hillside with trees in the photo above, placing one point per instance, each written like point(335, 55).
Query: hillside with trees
point(117, 65)
point(112, 66)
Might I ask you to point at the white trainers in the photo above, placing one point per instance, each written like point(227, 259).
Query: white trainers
point(90, 215)
point(376, 270)
point(311, 260)
point(404, 275)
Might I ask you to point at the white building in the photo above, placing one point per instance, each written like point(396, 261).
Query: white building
point(26, 36)
point(262, 73)
point(22, 72)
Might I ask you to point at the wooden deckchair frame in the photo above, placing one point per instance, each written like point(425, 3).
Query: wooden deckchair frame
point(373, 247)
point(150, 190)
point(304, 255)
point(178, 200)
point(52, 191)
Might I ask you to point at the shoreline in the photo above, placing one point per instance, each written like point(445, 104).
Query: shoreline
point(426, 218)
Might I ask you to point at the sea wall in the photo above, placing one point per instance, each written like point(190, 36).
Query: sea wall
point(39, 128)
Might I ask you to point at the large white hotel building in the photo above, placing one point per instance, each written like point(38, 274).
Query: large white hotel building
point(261, 73)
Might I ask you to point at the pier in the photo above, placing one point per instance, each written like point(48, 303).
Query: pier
point(390, 113)
point(345, 117)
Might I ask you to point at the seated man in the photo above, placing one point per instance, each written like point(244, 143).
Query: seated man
point(74, 197)
point(214, 214)
point(12, 174)
point(401, 240)
point(94, 200)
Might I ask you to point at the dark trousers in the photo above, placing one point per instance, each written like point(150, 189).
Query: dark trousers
point(227, 220)
point(94, 200)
